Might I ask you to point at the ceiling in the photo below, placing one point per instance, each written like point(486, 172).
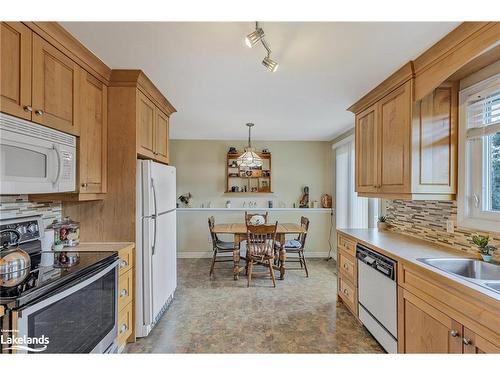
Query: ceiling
point(218, 84)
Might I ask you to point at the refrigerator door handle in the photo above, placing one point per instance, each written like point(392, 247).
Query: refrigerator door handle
point(154, 216)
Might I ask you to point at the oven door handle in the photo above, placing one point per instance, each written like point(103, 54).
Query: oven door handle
point(24, 312)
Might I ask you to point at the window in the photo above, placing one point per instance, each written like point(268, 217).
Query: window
point(479, 156)
point(351, 211)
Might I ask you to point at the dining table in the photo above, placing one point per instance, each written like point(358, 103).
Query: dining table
point(239, 232)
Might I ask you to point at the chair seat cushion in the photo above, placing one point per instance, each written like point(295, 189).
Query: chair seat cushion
point(225, 245)
point(289, 244)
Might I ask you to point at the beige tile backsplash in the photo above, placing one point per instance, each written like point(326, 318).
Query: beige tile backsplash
point(427, 220)
point(16, 206)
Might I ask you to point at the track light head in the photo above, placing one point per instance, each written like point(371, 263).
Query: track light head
point(253, 38)
point(270, 64)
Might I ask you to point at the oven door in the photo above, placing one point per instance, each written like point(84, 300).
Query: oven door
point(79, 319)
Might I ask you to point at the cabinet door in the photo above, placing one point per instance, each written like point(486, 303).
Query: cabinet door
point(56, 81)
point(93, 135)
point(161, 149)
point(424, 329)
point(475, 344)
point(145, 126)
point(366, 151)
point(435, 140)
point(15, 69)
point(394, 141)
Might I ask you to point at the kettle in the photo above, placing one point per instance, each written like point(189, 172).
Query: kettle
point(15, 263)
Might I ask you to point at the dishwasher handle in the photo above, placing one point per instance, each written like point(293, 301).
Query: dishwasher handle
point(386, 266)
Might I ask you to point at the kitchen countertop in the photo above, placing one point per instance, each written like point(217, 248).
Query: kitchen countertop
point(406, 249)
point(100, 246)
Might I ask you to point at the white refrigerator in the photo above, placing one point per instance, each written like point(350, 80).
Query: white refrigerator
point(156, 248)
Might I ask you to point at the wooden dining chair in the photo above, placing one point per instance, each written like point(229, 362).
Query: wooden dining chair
point(296, 246)
point(222, 250)
point(249, 215)
point(260, 248)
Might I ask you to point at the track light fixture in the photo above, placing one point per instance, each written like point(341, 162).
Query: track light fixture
point(253, 38)
point(258, 36)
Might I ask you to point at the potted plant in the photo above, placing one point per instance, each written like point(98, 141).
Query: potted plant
point(382, 222)
point(485, 250)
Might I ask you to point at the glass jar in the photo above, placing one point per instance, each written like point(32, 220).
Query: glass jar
point(66, 231)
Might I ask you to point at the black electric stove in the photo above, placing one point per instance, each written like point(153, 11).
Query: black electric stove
point(44, 280)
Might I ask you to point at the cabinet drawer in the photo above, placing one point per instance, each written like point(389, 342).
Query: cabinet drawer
point(347, 244)
point(125, 290)
point(124, 324)
point(348, 293)
point(126, 259)
point(347, 265)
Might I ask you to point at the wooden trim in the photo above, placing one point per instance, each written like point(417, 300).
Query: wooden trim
point(60, 38)
point(67, 197)
point(402, 75)
point(455, 50)
point(137, 78)
point(410, 196)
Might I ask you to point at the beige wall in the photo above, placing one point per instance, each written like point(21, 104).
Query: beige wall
point(201, 170)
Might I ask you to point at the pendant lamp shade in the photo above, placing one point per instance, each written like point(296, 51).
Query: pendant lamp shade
point(249, 159)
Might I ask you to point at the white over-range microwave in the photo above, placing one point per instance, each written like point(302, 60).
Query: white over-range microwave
point(34, 158)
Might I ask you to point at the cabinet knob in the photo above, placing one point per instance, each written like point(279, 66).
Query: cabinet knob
point(345, 266)
point(123, 264)
point(84, 185)
point(123, 328)
point(467, 341)
point(346, 292)
point(454, 333)
point(38, 112)
point(27, 108)
point(123, 293)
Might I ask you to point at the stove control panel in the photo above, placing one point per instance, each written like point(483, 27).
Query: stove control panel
point(20, 230)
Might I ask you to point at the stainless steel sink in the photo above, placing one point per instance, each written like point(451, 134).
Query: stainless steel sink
point(476, 271)
point(494, 286)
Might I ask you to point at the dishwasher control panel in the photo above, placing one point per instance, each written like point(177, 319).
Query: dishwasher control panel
point(377, 261)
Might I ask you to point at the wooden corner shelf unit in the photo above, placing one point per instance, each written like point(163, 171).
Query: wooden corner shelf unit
point(255, 181)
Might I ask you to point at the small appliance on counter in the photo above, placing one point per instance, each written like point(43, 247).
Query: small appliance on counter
point(60, 300)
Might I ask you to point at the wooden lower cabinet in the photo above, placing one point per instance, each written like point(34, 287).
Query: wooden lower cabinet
point(425, 329)
point(347, 273)
point(126, 298)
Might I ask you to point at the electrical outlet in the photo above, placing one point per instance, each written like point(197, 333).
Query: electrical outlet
point(450, 227)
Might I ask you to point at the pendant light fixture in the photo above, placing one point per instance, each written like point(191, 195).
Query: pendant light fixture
point(258, 36)
point(249, 159)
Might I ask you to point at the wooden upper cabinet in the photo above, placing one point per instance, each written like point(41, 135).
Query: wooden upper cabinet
point(161, 146)
point(93, 135)
point(394, 141)
point(146, 126)
point(424, 329)
point(435, 126)
point(55, 88)
point(366, 151)
point(15, 69)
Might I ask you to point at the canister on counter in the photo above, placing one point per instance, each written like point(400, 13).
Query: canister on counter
point(67, 231)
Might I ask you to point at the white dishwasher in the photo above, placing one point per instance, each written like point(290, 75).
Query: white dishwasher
point(377, 291)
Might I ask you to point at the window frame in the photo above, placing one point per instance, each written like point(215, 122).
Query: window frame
point(471, 169)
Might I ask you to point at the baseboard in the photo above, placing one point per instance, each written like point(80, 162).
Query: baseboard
point(208, 254)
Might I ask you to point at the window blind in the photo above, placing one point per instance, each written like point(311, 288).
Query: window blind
point(483, 113)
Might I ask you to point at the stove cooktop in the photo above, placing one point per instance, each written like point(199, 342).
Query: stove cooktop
point(43, 280)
